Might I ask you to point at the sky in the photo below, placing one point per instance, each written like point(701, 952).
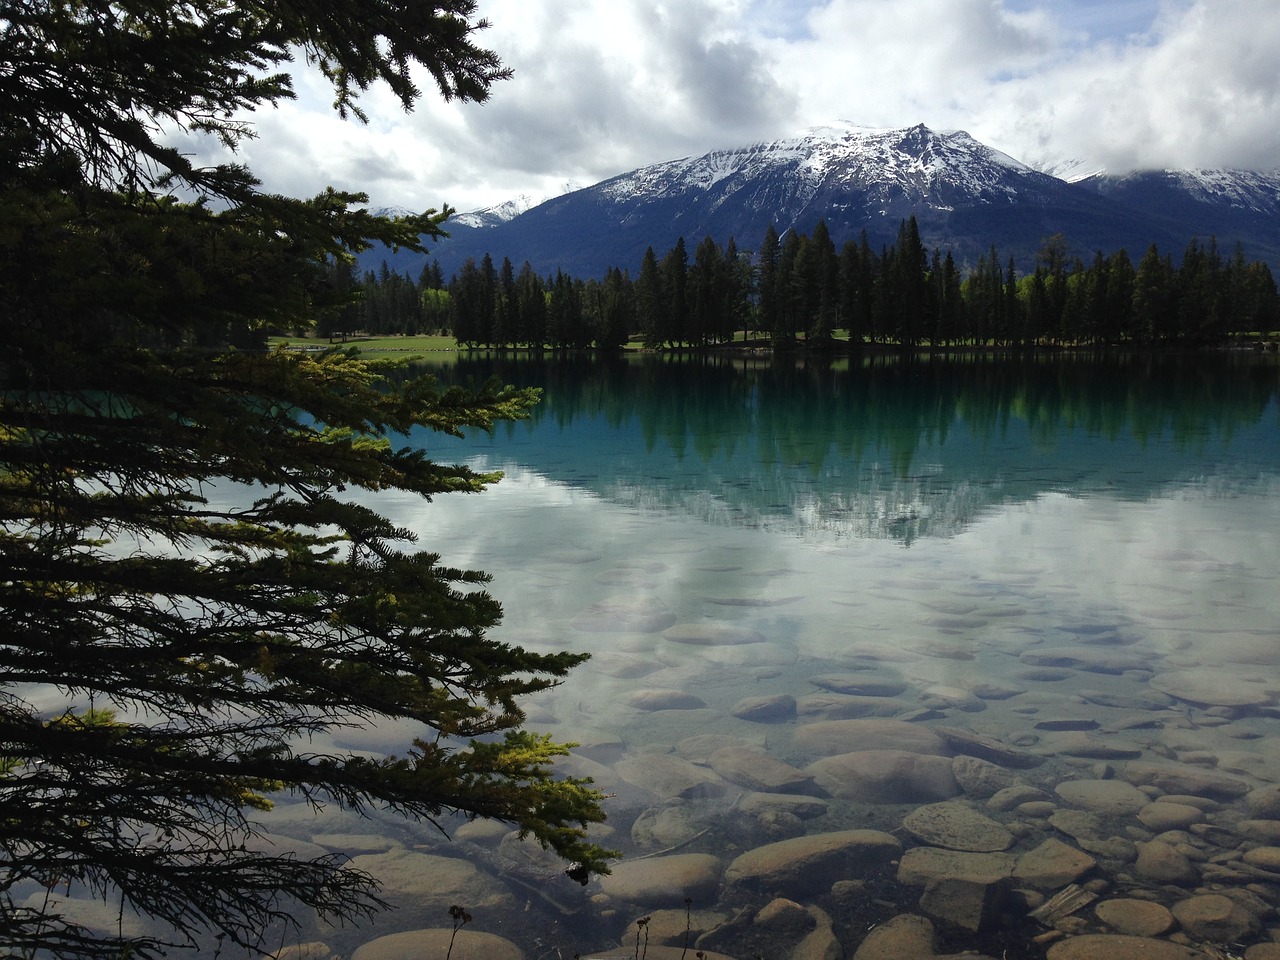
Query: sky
point(601, 87)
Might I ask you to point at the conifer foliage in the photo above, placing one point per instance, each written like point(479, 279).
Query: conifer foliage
point(196, 585)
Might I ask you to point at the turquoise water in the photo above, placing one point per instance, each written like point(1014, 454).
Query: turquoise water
point(983, 544)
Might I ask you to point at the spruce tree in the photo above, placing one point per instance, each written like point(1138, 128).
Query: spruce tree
point(196, 578)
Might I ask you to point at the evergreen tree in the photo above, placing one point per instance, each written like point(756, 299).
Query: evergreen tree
point(650, 301)
point(532, 310)
point(674, 271)
point(172, 659)
point(1155, 315)
point(824, 300)
point(770, 256)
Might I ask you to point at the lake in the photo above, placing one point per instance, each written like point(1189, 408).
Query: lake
point(924, 619)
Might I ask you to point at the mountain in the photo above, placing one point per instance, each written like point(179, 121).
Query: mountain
point(966, 197)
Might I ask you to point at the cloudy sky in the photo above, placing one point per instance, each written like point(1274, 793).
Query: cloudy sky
point(604, 86)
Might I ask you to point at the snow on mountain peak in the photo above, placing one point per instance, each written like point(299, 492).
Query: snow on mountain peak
point(914, 161)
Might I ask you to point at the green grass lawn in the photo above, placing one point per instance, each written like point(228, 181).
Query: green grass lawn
point(423, 344)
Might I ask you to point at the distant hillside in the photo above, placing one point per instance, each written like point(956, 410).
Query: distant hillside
point(965, 195)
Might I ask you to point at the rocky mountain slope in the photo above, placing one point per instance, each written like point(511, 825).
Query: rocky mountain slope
point(966, 196)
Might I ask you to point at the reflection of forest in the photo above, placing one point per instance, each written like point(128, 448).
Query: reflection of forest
point(905, 446)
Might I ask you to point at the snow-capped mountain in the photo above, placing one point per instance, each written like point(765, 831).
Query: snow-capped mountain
point(498, 213)
point(965, 195)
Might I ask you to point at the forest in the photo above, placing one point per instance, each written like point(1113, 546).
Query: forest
point(798, 289)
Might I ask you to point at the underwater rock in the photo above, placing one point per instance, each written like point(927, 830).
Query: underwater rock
point(666, 826)
point(841, 706)
point(1115, 946)
point(430, 882)
point(673, 928)
point(967, 903)
point(711, 634)
point(828, 737)
point(654, 952)
point(803, 807)
point(986, 748)
point(1112, 798)
point(1211, 688)
point(1088, 658)
point(1081, 744)
point(1215, 918)
point(758, 770)
point(922, 865)
point(1170, 778)
point(664, 880)
point(1139, 918)
point(437, 942)
point(1159, 862)
point(811, 863)
point(957, 826)
point(861, 684)
point(981, 778)
point(650, 700)
point(1052, 865)
point(902, 937)
point(1162, 815)
point(669, 776)
point(886, 776)
point(778, 708)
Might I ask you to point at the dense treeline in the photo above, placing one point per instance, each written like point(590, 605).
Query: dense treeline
point(800, 288)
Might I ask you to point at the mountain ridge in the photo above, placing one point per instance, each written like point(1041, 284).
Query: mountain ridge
point(965, 195)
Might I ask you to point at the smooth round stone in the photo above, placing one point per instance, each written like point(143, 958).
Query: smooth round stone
point(1264, 802)
point(672, 927)
point(886, 776)
point(654, 952)
point(1052, 865)
point(843, 706)
point(662, 827)
point(981, 778)
point(812, 863)
point(959, 740)
point(921, 865)
point(1265, 858)
point(1159, 862)
point(661, 881)
point(1087, 658)
point(1171, 778)
point(1210, 688)
point(860, 684)
point(1161, 816)
point(1139, 918)
point(1114, 946)
point(1215, 918)
point(947, 697)
point(699, 747)
point(427, 879)
point(901, 937)
point(778, 708)
point(1080, 744)
point(437, 942)
point(669, 776)
point(957, 826)
point(651, 700)
point(1013, 797)
point(758, 770)
point(711, 634)
point(798, 805)
point(1113, 798)
point(1266, 832)
point(828, 737)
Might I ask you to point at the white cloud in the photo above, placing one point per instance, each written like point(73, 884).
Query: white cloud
point(603, 86)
